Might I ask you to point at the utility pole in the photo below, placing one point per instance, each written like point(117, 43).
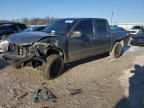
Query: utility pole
point(112, 18)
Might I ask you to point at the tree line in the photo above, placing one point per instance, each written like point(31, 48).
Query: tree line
point(36, 21)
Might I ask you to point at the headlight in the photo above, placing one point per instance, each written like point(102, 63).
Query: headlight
point(41, 47)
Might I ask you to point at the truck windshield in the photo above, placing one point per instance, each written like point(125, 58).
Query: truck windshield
point(136, 27)
point(59, 27)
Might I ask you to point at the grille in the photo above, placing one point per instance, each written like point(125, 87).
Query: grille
point(18, 50)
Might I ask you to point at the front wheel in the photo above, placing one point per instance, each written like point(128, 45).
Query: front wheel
point(53, 66)
point(116, 51)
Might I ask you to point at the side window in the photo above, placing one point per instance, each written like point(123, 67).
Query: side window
point(101, 27)
point(85, 27)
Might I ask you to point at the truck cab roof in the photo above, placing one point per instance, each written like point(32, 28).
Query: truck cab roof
point(83, 19)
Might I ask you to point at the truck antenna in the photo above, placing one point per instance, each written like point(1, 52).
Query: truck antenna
point(112, 18)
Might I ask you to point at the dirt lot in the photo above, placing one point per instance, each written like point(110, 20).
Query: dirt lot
point(97, 82)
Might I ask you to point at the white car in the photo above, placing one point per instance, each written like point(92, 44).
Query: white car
point(6, 30)
point(4, 45)
point(135, 29)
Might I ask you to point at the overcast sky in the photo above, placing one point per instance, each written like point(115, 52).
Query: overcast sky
point(124, 10)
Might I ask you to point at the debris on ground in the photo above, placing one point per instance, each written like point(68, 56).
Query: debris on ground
point(75, 91)
point(22, 96)
point(103, 84)
point(43, 94)
point(18, 94)
point(46, 107)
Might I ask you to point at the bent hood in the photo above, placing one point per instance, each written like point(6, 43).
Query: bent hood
point(27, 37)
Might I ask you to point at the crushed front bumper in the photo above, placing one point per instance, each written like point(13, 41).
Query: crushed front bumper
point(18, 58)
point(24, 54)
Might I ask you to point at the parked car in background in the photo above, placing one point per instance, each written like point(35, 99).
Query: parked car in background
point(138, 40)
point(35, 28)
point(135, 29)
point(64, 41)
point(6, 30)
point(121, 33)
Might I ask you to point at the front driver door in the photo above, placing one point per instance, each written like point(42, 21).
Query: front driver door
point(80, 47)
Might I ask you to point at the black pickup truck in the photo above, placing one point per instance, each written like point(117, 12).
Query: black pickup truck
point(64, 41)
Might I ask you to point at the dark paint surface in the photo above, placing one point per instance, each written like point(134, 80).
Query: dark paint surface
point(138, 39)
point(27, 37)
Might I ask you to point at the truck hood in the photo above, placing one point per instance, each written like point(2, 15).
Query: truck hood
point(3, 31)
point(27, 38)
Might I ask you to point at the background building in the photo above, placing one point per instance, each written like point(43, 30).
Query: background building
point(128, 25)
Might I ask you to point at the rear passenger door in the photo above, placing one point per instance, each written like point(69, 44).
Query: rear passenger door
point(102, 35)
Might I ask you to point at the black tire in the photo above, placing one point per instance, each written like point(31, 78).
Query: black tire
point(116, 51)
point(53, 66)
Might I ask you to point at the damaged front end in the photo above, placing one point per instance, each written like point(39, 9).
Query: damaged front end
point(24, 54)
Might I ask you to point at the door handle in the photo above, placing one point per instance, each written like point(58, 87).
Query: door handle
point(107, 36)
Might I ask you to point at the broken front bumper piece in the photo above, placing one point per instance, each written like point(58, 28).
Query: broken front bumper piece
point(18, 59)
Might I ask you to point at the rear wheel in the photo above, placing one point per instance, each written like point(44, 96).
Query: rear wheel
point(53, 66)
point(116, 51)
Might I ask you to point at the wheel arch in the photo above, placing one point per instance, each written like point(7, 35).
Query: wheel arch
point(55, 50)
point(114, 42)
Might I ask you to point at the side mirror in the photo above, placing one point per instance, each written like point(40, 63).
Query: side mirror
point(76, 34)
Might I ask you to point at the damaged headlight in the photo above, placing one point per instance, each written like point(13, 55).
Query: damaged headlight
point(41, 47)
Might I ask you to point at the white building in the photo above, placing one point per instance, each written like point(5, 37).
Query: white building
point(128, 25)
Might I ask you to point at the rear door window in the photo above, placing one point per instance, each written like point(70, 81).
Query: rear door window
point(101, 27)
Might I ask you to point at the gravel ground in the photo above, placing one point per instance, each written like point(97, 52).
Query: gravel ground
point(97, 82)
